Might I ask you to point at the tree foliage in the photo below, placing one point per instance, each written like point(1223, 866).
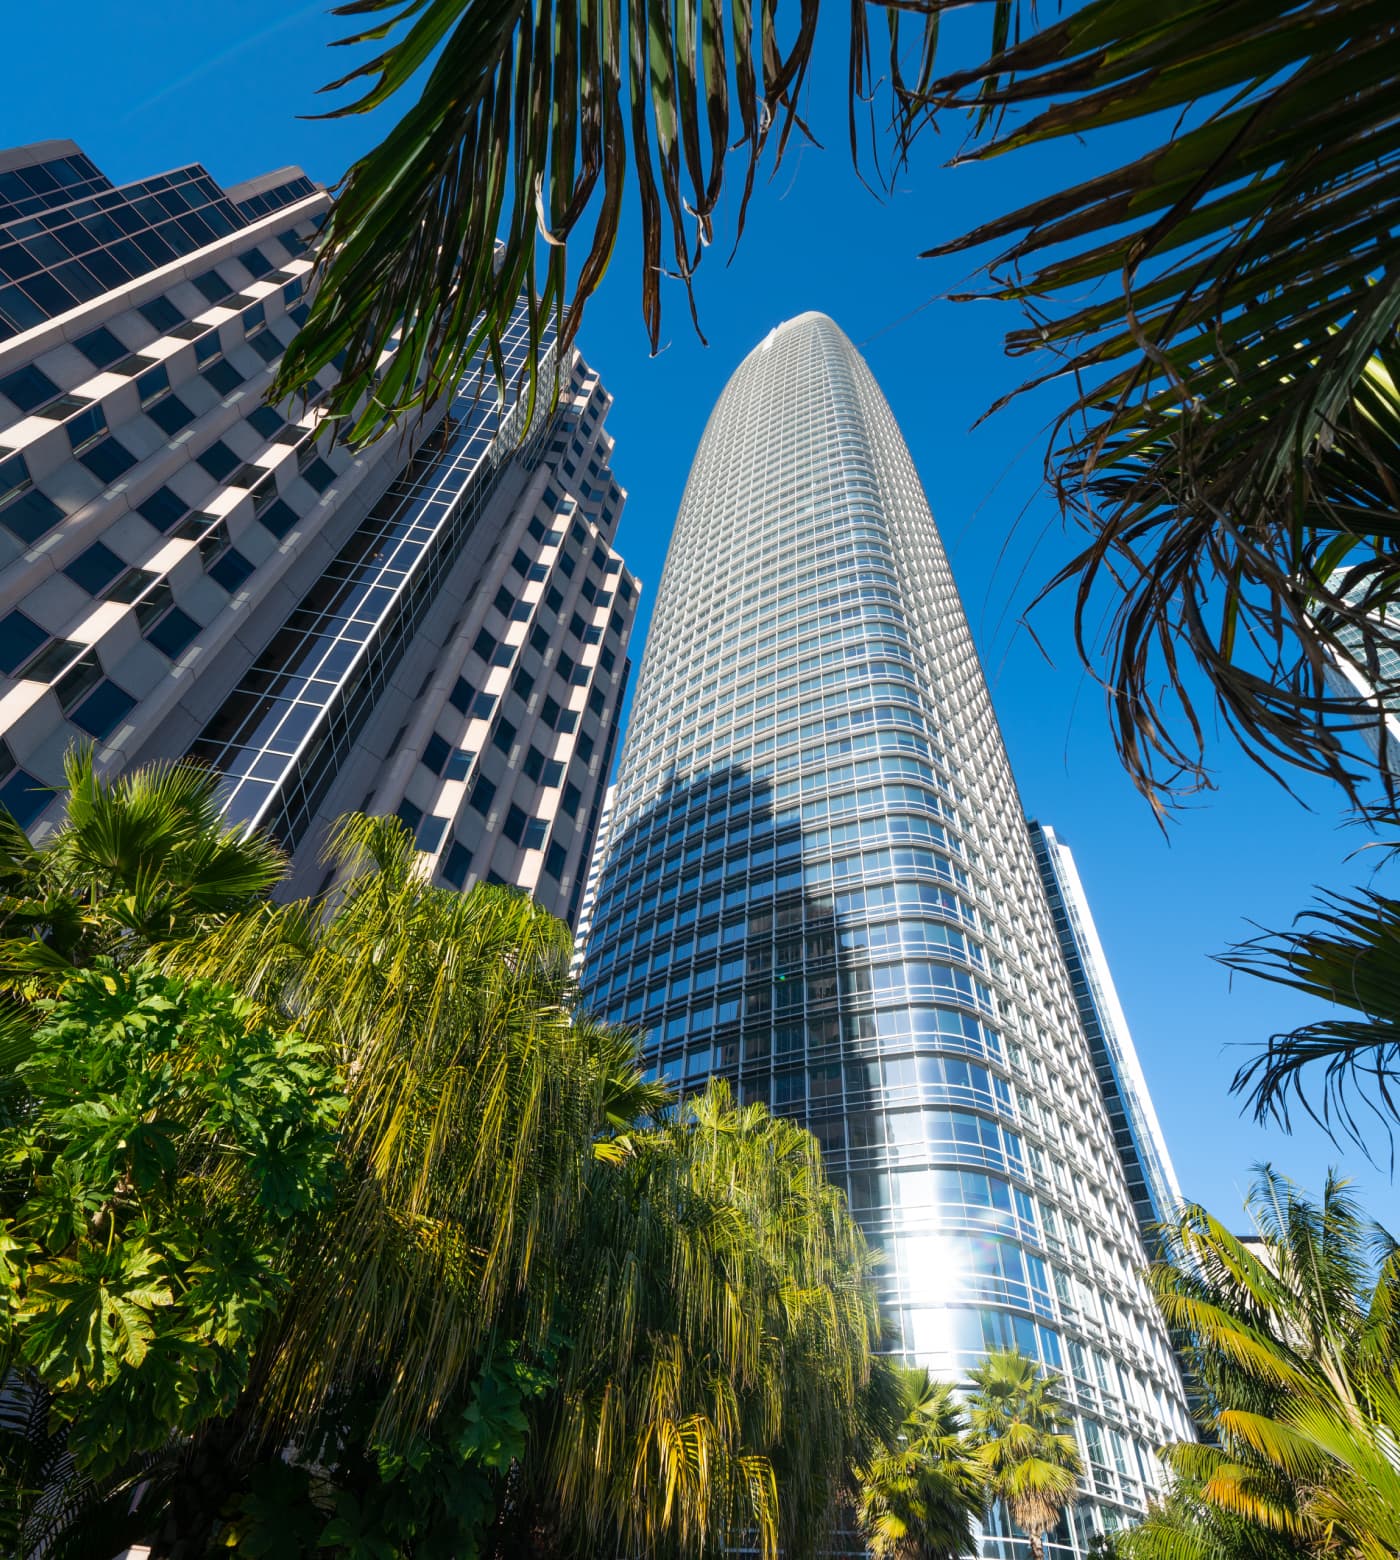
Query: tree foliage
point(165, 1145)
point(1292, 1340)
point(920, 1494)
point(1020, 1433)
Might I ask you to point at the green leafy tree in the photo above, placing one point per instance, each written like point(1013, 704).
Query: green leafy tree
point(1292, 1338)
point(723, 1327)
point(166, 1143)
point(1019, 1432)
point(920, 1496)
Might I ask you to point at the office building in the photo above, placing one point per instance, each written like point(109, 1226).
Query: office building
point(434, 625)
point(818, 884)
point(1137, 1134)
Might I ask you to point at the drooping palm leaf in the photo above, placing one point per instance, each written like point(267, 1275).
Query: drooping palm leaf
point(530, 122)
point(1347, 953)
point(1224, 306)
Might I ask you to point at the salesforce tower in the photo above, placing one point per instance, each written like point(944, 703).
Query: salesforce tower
point(818, 883)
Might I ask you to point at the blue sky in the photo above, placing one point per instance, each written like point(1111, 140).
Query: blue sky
point(152, 87)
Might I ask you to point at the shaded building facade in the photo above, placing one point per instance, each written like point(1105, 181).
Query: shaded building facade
point(818, 884)
point(434, 625)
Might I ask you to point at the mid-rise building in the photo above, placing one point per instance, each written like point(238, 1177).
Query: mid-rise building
point(1137, 1133)
point(818, 884)
point(434, 625)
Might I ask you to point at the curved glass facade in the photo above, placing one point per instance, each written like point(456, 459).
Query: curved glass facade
point(818, 883)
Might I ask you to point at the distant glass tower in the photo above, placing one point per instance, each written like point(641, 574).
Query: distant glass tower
point(818, 884)
point(1137, 1134)
point(435, 625)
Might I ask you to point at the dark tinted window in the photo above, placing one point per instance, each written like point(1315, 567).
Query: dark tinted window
point(230, 569)
point(267, 420)
point(31, 516)
point(95, 568)
point(174, 631)
point(108, 459)
point(103, 709)
point(162, 314)
point(20, 637)
point(28, 387)
point(279, 517)
point(100, 347)
point(163, 509)
point(219, 460)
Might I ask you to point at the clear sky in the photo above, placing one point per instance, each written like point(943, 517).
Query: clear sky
point(155, 86)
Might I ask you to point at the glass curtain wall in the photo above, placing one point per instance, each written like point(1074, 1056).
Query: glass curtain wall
point(818, 884)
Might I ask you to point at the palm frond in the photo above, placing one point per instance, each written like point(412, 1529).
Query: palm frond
point(530, 122)
point(1225, 311)
point(1348, 953)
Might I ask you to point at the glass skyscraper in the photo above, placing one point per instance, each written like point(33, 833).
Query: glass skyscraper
point(1137, 1134)
point(819, 884)
point(435, 625)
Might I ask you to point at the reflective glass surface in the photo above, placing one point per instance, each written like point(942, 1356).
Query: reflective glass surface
point(818, 884)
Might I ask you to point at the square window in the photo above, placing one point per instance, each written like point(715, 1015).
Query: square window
point(219, 461)
point(553, 599)
point(411, 813)
point(485, 645)
point(170, 414)
point(108, 459)
point(95, 568)
point(100, 347)
point(435, 753)
point(28, 388)
point(24, 797)
point(482, 705)
point(534, 834)
point(455, 867)
point(172, 633)
point(554, 859)
point(103, 710)
point(319, 474)
point(534, 762)
point(163, 510)
point(266, 345)
point(230, 570)
point(267, 420)
point(224, 377)
point(161, 314)
point(213, 286)
point(504, 601)
point(279, 517)
point(459, 761)
point(461, 696)
point(31, 516)
point(539, 640)
point(514, 826)
point(503, 736)
point(20, 638)
point(483, 794)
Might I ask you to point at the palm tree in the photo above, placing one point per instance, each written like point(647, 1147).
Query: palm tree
point(1293, 1338)
point(919, 1496)
point(1019, 1431)
point(138, 862)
